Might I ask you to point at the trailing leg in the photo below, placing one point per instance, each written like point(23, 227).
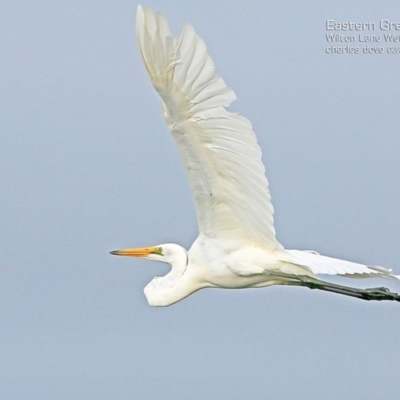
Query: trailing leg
point(377, 294)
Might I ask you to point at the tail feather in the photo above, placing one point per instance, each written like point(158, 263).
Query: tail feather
point(319, 264)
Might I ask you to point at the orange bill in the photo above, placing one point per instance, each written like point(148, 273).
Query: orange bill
point(139, 252)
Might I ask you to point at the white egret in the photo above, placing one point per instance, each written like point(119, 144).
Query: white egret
point(236, 246)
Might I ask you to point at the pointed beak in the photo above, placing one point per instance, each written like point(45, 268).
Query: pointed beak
point(139, 252)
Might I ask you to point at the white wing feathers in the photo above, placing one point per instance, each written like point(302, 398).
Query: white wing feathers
point(219, 148)
point(319, 264)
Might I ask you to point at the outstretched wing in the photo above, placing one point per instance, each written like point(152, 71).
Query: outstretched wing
point(219, 148)
point(319, 264)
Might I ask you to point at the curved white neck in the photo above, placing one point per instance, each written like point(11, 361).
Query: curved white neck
point(173, 287)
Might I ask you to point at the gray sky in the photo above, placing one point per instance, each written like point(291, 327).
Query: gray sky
point(88, 166)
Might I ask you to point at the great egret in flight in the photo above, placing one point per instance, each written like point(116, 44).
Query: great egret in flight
point(236, 246)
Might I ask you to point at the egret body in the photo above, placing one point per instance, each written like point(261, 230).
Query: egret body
point(236, 246)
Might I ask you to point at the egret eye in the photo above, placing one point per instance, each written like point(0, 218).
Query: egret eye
point(158, 251)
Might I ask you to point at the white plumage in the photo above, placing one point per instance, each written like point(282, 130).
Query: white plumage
point(219, 148)
point(236, 247)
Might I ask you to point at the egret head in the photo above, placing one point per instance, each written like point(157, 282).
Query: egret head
point(162, 291)
point(168, 252)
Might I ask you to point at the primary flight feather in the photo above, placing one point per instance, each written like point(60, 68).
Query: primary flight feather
point(236, 246)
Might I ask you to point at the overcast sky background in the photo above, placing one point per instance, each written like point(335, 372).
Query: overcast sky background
point(88, 166)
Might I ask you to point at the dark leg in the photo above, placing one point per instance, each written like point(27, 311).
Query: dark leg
point(379, 294)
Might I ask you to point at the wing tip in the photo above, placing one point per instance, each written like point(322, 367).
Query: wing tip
point(139, 13)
